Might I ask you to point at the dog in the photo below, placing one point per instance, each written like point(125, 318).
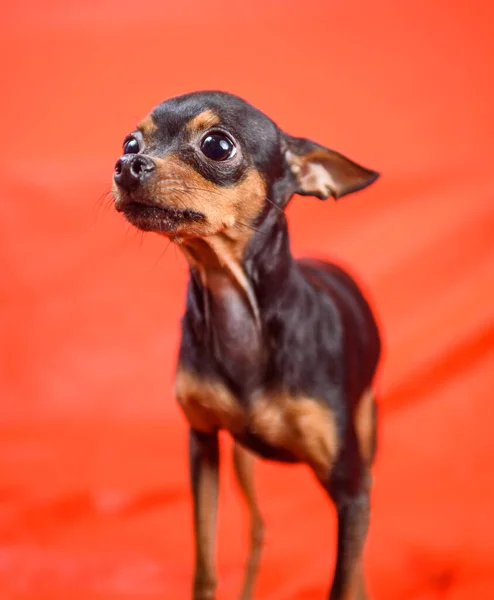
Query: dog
point(281, 353)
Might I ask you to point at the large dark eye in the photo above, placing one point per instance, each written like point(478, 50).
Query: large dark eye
point(131, 146)
point(217, 146)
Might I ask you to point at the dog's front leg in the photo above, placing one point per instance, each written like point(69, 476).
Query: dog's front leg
point(204, 464)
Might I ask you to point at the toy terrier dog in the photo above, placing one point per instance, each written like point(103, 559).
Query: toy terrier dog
point(281, 353)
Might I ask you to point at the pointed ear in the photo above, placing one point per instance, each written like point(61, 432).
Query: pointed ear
point(321, 172)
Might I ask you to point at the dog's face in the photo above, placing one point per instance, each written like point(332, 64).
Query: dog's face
point(208, 162)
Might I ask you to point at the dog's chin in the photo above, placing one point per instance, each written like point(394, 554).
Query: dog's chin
point(167, 220)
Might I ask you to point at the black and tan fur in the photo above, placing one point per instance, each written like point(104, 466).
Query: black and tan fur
point(281, 353)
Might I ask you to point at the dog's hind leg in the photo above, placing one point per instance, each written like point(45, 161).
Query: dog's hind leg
point(349, 487)
point(353, 522)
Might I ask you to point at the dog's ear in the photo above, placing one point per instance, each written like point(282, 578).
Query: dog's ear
point(320, 172)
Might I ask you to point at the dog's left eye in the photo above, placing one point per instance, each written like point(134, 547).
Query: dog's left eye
point(218, 146)
point(131, 146)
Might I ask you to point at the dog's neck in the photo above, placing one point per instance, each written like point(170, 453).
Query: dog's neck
point(231, 263)
point(230, 297)
point(217, 261)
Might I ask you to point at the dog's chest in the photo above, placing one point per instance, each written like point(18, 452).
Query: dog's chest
point(222, 387)
point(226, 356)
point(234, 338)
point(276, 426)
point(208, 404)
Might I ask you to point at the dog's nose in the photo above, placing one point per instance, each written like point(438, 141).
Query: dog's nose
point(132, 169)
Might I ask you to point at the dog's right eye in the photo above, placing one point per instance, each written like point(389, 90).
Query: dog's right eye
point(131, 146)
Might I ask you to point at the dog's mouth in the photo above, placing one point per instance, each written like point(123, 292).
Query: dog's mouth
point(161, 219)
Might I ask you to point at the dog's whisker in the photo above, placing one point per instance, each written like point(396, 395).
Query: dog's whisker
point(275, 205)
point(162, 254)
point(251, 227)
point(103, 202)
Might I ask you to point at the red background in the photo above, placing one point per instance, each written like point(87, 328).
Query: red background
point(94, 487)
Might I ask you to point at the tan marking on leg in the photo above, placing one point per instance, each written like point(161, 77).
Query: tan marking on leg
point(356, 586)
point(147, 126)
point(206, 505)
point(353, 523)
point(208, 405)
point(303, 426)
point(202, 121)
point(364, 424)
point(314, 433)
point(243, 462)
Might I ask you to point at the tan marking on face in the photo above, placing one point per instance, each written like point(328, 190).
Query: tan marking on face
point(177, 184)
point(202, 121)
point(147, 126)
point(364, 424)
point(221, 239)
point(208, 405)
point(303, 426)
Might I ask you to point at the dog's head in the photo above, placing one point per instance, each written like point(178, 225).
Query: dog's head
point(208, 162)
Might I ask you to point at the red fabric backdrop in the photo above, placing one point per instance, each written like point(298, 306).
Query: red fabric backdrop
point(93, 481)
